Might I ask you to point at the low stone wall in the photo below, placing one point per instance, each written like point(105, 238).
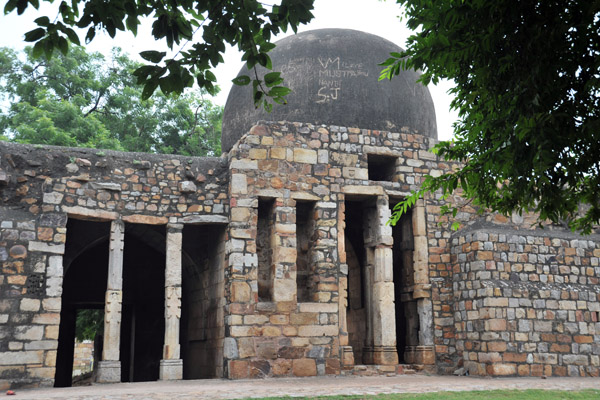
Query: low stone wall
point(527, 303)
point(83, 357)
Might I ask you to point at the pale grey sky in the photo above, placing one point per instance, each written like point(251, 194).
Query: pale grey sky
point(372, 16)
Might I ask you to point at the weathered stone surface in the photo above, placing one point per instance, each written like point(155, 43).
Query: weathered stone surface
point(106, 186)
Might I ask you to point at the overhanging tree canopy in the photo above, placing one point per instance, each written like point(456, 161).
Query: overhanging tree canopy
point(527, 77)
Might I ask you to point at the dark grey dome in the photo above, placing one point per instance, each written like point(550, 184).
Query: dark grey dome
point(333, 74)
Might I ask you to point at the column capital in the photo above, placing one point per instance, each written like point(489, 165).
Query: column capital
point(174, 228)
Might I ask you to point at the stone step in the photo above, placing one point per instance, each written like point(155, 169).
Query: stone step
point(388, 370)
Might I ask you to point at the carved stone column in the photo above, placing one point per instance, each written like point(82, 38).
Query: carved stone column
point(109, 369)
point(171, 365)
point(424, 352)
point(383, 315)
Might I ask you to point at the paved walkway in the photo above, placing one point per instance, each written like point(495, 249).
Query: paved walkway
point(299, 387)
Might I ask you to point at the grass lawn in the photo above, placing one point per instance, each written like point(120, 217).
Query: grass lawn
point(474, 395)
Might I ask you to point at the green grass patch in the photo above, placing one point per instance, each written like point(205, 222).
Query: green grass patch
point(533, 394)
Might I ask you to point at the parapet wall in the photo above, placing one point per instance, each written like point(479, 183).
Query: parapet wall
point(527, 303)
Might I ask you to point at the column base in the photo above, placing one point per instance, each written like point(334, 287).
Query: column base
point(385, 355)
point(109, 372)
point(171, 370)
point(347, 357)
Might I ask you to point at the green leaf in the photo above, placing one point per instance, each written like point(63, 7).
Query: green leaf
point(273, 78)
point(153, 56)
point(72, 36)
point(42, 21)
point(279, 91)
point(63, 45)
point(241, 80)
point(35, 34)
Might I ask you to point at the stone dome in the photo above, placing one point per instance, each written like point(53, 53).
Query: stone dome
point(333, 74)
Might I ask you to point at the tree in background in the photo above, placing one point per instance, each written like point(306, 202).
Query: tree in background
point(82, 99)
point(526, 73)
point(250, 25)
point(527, 77)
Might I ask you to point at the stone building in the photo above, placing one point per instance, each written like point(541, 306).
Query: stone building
point(276, 259)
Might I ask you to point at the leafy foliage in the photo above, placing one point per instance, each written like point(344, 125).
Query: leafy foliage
point(528, 96)
point(247, 24)
point(82, 99)
point(88, 324)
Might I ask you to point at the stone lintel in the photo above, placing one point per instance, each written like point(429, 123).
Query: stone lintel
point(205, 219)
point(305, 196)
point(109, 371)
point(145, 219)
point(271, 193)
point(382, 151)
point(363, 190)
point(170, 370)
point(90, 214)
point(47, 247)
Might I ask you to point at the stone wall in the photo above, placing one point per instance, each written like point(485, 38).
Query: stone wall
point(527, 303)
point(83, 357)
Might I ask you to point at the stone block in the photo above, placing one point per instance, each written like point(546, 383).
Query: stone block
point(304, 367)
point(29, 305)
point(498, 369)
point(318, 330)
point(305, 156)
point(109, 372)
point(238, 369)
point(258, 154)
point(240, 292)
point(239, 184)
point(246, 347)
point(170, 370)
point(29, 332)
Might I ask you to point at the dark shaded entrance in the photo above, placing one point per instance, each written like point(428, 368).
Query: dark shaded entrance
point(85, 265)
point(142, 321)
point(356, 258)
point(407, 318)
point(202, 329)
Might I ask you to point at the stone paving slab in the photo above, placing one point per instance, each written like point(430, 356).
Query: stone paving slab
point(299, 387)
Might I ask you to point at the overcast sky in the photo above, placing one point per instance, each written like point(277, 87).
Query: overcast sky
point(373, 16)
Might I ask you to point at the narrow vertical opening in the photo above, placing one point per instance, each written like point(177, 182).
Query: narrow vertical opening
point(142, 318)
point(265, 246)
point(407, 318)
point(305, 240)
point(202, 328)
point(89, 327)
point(356, 314)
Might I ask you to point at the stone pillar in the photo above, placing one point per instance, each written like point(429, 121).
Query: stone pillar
point(283, 273)
point(171, 365)
point(383, 310)
point(424, 352)
point(109, 369)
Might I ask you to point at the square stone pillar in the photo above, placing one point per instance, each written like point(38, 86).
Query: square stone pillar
point(171, 365)
point(383, 310)
point(109, 369)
